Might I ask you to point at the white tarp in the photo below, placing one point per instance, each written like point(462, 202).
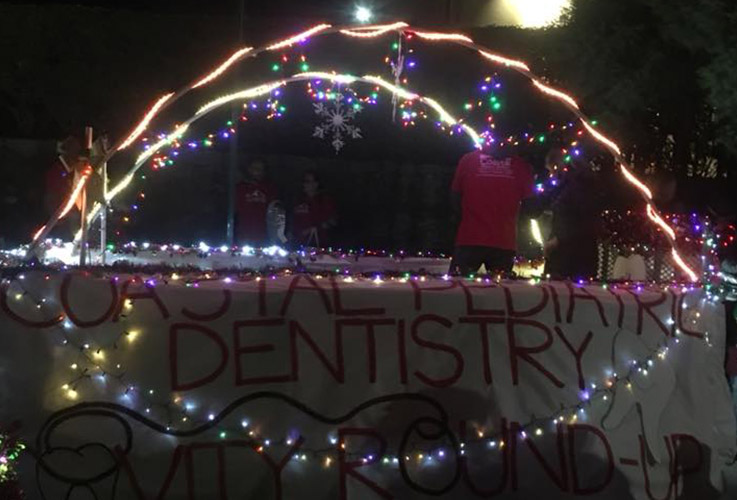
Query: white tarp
point(306, 387)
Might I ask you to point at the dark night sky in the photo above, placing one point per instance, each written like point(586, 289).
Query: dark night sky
point(336, 10)
point(425, 12)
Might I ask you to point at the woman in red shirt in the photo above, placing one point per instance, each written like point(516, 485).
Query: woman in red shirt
point(314, 215)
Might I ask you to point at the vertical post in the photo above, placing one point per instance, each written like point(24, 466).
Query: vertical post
point(397, 70)
point(233, 151)
point(232, 166)
point(83, 208)
point(103, 216)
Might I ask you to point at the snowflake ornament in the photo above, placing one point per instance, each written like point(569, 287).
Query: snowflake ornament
point(337, 118)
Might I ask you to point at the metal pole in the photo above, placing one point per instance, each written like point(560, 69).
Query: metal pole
point(232, 167)
point(103, 216)
point(83, 241)
point(83, 208)
point(233, 151)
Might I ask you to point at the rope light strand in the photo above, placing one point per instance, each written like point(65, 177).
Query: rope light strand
point(372, 32)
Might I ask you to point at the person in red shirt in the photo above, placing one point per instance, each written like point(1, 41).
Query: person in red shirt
point(253, 197)
point(490, 190)
point(314, 215)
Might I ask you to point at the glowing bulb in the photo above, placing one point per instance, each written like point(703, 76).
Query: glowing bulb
point(536, 13)
point(363, 14)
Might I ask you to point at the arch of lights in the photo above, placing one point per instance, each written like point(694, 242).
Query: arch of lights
point(362, 32)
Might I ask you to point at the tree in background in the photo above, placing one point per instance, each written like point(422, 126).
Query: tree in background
point(661, 74)
point(708, 29)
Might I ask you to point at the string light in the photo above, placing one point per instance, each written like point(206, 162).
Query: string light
point(505, 61)
point(555, 93)
point(606, 141)
point(457, 37)
point(684, 267)
point(10, 450)
point(635, 181)
point(372, 31)
point(235, 57)
point(143, 124)
point(298, 38)
point(244, 94)
point(534, 426)
point(655, 217)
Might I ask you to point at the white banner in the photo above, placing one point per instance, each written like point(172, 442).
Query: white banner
point(140, 387)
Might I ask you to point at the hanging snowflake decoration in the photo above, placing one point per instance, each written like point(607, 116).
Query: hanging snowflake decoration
point(337, 118)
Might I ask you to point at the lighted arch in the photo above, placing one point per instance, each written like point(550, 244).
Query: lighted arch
point(268, 87)
point(366, 32)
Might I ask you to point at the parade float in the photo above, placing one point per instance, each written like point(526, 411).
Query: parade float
point(154, 370)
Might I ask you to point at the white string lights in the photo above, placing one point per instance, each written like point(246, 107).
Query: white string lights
point(269, 87)
point(144, 123)
point(183, 413)
point(375, 31)
point(235, 57)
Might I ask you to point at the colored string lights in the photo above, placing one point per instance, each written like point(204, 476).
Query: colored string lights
point(269, 87)
point(10, 450)
point(177, 415)
point(378, 30)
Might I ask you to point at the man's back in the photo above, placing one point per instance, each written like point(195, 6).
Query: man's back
point(491, 191)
